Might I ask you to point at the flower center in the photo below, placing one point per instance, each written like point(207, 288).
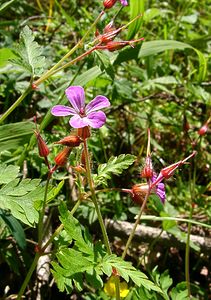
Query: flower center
point(82, 112)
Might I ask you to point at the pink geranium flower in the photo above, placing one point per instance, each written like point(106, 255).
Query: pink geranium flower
point(159, 188)
point(82, 115)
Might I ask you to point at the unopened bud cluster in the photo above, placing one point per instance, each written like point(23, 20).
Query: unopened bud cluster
point(69, 142)
point(105, 41)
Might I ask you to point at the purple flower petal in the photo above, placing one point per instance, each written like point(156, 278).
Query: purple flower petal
point(160, 191)
point(159, 188)
point(76, 96)
point(96, 119)
point(78, 122)
point(124, 2)
point(97, 103)
point(62, 111)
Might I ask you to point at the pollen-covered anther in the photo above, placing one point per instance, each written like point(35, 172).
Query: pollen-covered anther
point(62, 157)
point(70, 141)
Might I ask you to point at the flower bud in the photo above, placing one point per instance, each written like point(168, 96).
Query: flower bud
point(62, 157)
point(115, 272)
point(109, 3)
point(34, 86)
point(109, 27)
point(70, 141)
point(116, 45)
point(167, 172)
point(139, 192)
point(203, 129)
point(147, 171)
point(84, 132)
point(42, 147)
point(113, 46)
point(79, 169)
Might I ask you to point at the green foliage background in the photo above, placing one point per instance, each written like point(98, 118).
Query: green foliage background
point(162, 84)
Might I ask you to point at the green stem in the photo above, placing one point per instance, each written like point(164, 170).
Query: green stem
point(54, 71)
point(37, 256)
point(94, 199)
point(28, 276)
point(136, 223)
point(100, 219)
point(187, 256)
point(154, 218)
point(117, 287)
point(15, 104)
point(58, 64)
point(42, 212)
point(187, 248)
point(61, 226)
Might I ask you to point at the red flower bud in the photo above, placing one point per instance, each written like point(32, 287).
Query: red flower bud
point(113, 46)
point(139, 192)
point(167, 172)
point(203, 129)
point(34, 86)
point(79, 169)
point(70, 141)
point(109, 3)
point(115, 272)
point(62, 157)
point(109, 28)
point(42, 147)
point(84, 132)
point(147, 171)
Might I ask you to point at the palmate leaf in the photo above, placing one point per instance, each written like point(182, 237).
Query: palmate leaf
point(8, 173)
point(127, 271)
point(115, 165)
point(29, 53)
point(22, 198)
point(85, 258)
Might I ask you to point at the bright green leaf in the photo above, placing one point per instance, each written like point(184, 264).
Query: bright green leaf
point(115, 165)
point(15, 135)
point(14, 227)
point(29, 53)
point(5, 55)
point(136, 8)
point(8, 173)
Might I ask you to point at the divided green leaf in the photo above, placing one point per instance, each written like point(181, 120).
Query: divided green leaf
point(91, 260)
point(115, 166)
point(127, 271)
point(22, 198)
point(29, 53)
